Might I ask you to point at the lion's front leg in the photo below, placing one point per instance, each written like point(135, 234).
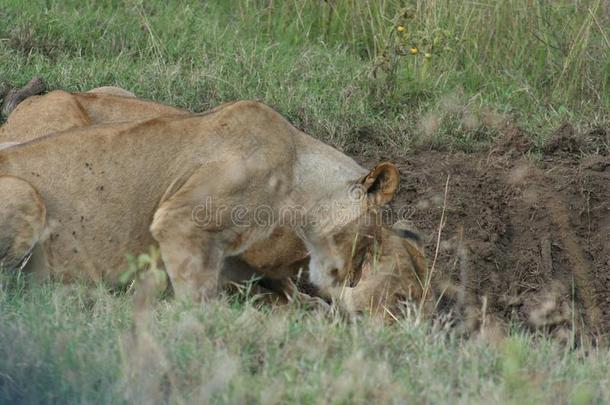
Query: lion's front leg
point(192, 257)
point(22, 220)
point(205, 220)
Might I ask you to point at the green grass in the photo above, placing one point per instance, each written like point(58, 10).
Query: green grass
point(337, 68)
point(340, 70)
point(75, 344)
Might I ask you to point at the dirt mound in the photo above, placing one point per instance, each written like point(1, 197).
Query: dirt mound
point(523, 240)
point(566, 142)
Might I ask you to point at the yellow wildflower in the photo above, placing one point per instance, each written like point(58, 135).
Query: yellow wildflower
point(400, 28)
point(413, 51)
point(428, 55)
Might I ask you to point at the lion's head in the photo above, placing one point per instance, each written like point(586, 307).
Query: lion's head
point(387, 273)
point(344, 222)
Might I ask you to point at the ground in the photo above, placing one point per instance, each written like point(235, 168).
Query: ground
point(524, 238)
point(497, 114)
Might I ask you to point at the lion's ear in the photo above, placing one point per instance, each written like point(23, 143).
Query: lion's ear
point(381, 183)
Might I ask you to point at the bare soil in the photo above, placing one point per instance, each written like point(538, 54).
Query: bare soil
point(526, 236)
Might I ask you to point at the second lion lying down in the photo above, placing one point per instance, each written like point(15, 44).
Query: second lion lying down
point(184, 178)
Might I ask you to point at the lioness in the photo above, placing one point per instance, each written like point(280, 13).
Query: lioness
point(406, 261)
point(59, 110)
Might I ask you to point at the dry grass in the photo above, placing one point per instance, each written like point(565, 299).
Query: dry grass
point(75, 344)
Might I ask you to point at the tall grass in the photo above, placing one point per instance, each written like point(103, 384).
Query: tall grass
point(75, 344)
point(560, 46)
point(338, 68)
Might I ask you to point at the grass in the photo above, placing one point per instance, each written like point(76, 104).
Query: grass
point(342, 71)
point(337, 68)
point(76, 344)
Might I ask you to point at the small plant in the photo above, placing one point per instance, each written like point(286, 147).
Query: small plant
point(407, 50)
point(144, 266)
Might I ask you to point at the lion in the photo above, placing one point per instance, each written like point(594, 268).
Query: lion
point(59, 110)
point(373, 289)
